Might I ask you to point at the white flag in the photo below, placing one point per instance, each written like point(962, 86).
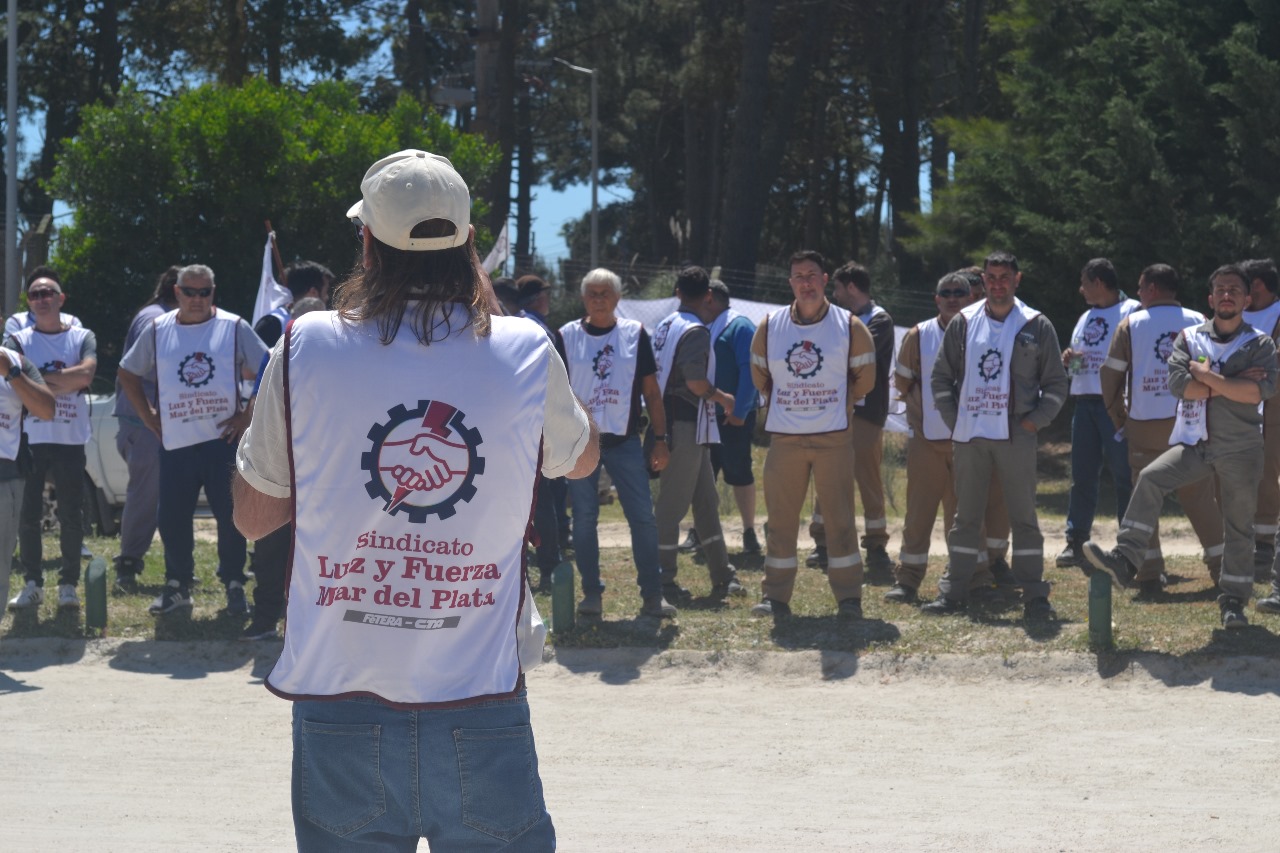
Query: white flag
point(497, 257)
point(271, 294)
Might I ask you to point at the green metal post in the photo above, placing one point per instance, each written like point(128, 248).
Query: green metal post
point(95, 594)
point(1100, 611)
point(562, 607)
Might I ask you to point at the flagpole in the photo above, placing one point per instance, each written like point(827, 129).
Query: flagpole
point(275, 250)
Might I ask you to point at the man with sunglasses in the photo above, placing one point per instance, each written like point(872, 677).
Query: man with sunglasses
point(197, 355)
point(67, 357)
point(1220, 371)
point(930, 476)
point(23, 319)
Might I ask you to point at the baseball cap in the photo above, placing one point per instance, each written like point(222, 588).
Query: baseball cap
point(409, 187)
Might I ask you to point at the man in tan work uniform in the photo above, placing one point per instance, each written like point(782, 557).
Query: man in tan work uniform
point(811, 362)
point(1264, 315)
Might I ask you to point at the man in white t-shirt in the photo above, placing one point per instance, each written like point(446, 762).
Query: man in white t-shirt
point(409, 619)
point(67, 357)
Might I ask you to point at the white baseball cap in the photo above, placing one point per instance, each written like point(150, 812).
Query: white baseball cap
point(410, 187)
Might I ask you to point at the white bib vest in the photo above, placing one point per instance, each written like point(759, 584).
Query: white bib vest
point(1152, 332)
point(197, 383)
point(1192, 424)
point(1091, 340)
point(602, 371)
point(1265, 321)
point(985, 395)
point(10, 413)
point(809, 367)
point(930, 338)
point(666, 340)
point(412, 494)
point(50, 353)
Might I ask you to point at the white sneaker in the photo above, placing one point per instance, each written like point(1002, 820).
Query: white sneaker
point(67, 597)
point(31, 596)
point(85, 553)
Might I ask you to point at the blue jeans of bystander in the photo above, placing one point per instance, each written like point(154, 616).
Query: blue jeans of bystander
point(1092, 442)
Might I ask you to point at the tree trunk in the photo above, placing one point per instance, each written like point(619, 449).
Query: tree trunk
point(235, 70)
point(499, 192)
point(414, 71)
point(526, 178)
point(487, 61)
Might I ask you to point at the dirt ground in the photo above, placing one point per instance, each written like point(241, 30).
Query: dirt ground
point(142, 746)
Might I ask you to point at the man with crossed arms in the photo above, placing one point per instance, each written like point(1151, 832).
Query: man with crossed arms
point(1135, 390)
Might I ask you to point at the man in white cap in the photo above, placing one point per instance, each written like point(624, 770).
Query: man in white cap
point(411, 498)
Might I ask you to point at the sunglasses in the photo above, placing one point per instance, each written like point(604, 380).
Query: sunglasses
point(38, 295)
point(196, 292)
point(953, 294)
point(355, 220)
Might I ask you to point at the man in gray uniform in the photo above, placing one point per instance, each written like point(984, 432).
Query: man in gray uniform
point(996, 385)
point(1220, 372)
point(682, 344)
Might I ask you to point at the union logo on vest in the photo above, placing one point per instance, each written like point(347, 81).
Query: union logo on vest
point(1095, 331)
point(196, 370)
point(804, 359)
point(1164, 345)
point(51, 366)
point(422, 461)
point(990, 365)
point(602, 364)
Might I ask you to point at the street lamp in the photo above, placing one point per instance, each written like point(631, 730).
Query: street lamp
point(12, 261)
point(595, 162)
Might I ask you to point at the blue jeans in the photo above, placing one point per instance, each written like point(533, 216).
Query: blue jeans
point(1092, 441)
point(367, 776)
point(182, 473)
point(626, 465)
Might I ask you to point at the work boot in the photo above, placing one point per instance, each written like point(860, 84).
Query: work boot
point(1115, 564)
point(1232, 610)
point(943, 606)
point(592, 604)
point(1070, 556)
point(1039, 610)
point(818, 559)
point(1001, 573)
point(691, 541)
point(1270, 604)
point(750, 544)
point(1263, 554)
point(658, 607)
point(771, 607)
point(849, 610)
point(902, 594)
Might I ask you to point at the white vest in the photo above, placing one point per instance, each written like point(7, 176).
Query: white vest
point(1152, 332)
point(985, 398)
point(602, 371)
point(1192, 425)
point(666, 340)
point(10, 413)
point(1091, 340)
point(25, 319)
point(809, 368)
point(930, 338)
point(50, 353)
point(412, 497)
point(1264, 321)
point(196, 377)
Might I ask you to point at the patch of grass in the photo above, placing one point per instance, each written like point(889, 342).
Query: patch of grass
point(1183, 622)
point(127, 615)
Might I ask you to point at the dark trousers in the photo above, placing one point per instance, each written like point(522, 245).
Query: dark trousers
point(182, 473)
point(270, 564)
point(547, 525)
point(65, 463)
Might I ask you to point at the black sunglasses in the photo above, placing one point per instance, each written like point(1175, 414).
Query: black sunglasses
point(355, 220)
point(196, 292)
point(953, 294)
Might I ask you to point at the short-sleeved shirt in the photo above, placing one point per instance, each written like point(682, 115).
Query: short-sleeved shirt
point(263, 457)
point(140, 360)
point(690, 362)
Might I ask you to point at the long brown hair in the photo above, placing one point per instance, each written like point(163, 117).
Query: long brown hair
point(397, 282)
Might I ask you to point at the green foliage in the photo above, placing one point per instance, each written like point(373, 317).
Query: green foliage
point(192, 178)
point(1136, 132)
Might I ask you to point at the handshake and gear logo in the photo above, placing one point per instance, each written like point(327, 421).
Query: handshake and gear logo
point(423, 461)
point(1164, 346)
point(196, 370)
point(602, 364)
point(804, 359)
point(1095, 331)
point(990, 365)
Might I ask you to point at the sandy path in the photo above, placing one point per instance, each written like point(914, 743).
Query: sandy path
point(147, 746)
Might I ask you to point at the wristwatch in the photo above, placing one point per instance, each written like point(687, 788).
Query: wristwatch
point(15, 370)
point(662, 438)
